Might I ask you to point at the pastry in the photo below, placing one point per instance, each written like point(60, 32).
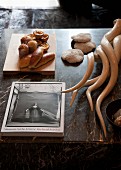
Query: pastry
point(36, 57)
point(45, 46)
point(45, 59)
point(44, 37)
point(36, 45)
point(24, 61)
point(38, 34)
point(32, 46)
point(23, 50)
point(26, 39)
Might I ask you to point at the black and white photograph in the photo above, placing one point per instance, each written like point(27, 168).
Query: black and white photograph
point(35, 106)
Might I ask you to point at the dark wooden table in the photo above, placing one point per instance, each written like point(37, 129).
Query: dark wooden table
point(82, 127)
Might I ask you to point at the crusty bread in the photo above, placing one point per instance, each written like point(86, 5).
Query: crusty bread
point(25, 39)
point(36, 57)
point(32, 46)
point(24, 61)
point(45, 59)
point(23, 50)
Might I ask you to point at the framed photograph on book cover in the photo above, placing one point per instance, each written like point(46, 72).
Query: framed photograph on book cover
point(35, 109)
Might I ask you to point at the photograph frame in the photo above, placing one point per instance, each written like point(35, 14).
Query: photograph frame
point(35, 109)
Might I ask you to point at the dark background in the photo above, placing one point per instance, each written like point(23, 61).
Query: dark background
point(58, 156)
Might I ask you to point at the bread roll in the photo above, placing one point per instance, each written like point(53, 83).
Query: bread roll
point(24, 61)
point(45, 37)
point(23, 50)
point(38, 34)
point(26, 39)
point(45, 46)
point(36, 57)
point(32, 46)
point(45, 59)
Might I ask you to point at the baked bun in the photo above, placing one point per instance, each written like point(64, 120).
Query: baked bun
point(38, 34)
point(45, 37)
point(24, 61)
point(23, 50)
point(32, 46)
point(45, 59)
point(45, 46)
point(26, 39)
point(36, 57)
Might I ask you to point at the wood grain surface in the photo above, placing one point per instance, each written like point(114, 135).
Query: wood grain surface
point(11, 64)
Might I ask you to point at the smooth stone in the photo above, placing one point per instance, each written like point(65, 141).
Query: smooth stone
point(73, 55)
point(85, 47)
point(82, 37)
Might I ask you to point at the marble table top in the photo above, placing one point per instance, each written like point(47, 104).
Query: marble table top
point(81, 124)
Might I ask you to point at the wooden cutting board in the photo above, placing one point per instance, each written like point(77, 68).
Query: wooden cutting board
point(11, 64)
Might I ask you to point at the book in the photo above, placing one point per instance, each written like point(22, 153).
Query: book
point(35, 109)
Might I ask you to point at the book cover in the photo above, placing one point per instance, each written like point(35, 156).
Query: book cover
point(35, 109)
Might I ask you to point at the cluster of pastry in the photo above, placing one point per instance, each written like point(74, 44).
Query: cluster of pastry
point(33, 50)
